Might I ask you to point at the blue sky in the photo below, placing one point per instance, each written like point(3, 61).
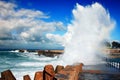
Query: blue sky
point(40, 23)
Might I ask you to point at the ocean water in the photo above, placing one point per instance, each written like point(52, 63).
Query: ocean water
point(28, 63)
point(24, 63)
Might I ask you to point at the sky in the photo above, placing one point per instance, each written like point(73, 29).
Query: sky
point(44, 24)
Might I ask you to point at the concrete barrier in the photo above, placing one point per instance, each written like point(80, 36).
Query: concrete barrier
point(7, 75)
point(26, 77)
point(48, 73)
point(70, 72)
point(38, 76)
point(59, 68)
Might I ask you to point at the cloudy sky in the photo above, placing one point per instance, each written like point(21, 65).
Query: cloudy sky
point(44, 24)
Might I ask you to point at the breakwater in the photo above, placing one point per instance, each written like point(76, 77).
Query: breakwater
point(48, 53)
point(70, 72)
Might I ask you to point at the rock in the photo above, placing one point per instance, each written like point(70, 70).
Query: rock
point(65, 73)
point(7, 75)
point(78, 70)
point(70, 72)
point(22, 51)
point(79, 67)
point(1, 79)
point(40, 52)
point(38, 76)
point(50, 53)
point(59, 68)
point(26, 77)
point(48, 73)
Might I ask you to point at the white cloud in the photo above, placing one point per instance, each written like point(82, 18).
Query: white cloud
point(24, 35)
point(56, 38)
point(5, 9)
point(28, 25)
point(61, 39)
point(24, 24)
point(30, 14)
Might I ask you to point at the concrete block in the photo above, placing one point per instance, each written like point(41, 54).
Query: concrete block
point(38, 76)
point(26, 77)
point(7, 75)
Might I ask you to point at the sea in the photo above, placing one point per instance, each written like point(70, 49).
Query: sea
point(29, 62)
point(24, 63)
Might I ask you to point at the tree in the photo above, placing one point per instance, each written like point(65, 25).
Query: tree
point(115, 44)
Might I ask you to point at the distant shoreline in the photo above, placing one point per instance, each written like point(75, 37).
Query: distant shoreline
point(28, 49)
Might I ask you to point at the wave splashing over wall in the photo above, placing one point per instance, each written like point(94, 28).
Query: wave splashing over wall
point(91, 25)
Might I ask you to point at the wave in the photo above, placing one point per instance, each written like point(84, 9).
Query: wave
point(16, 51)
point(25, 63)
point(31, 64)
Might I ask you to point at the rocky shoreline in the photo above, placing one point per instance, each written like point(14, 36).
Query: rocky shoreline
point(47, 53)
point(69, 72)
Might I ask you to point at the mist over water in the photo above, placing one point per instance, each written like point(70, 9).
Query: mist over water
point(91, 25)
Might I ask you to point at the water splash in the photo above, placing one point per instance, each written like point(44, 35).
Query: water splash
point(91, 25)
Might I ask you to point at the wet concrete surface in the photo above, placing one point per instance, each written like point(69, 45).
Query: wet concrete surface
point(100, 72)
